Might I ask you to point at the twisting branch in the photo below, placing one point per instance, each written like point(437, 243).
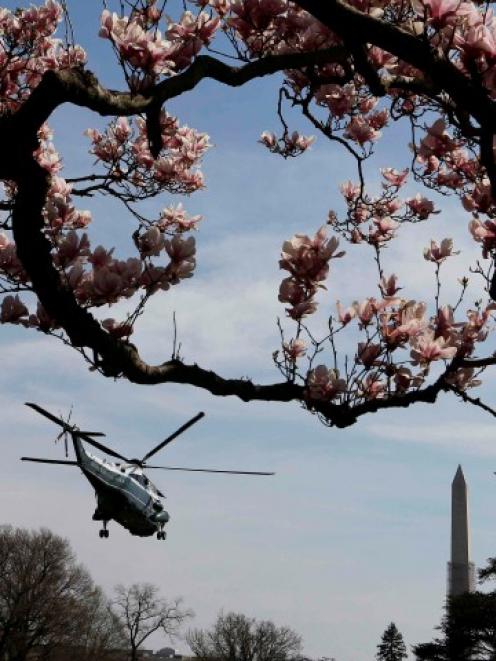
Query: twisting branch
point(476, 401)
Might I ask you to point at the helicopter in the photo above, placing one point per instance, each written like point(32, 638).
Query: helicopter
point(123, 492)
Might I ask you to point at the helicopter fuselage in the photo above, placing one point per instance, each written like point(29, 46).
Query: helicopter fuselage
point(123, 493)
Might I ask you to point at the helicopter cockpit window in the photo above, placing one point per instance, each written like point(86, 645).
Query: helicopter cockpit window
point(141, 479)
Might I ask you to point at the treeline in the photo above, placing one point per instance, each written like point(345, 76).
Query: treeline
point(51, 610)
point(468, 627)
point(467, 631)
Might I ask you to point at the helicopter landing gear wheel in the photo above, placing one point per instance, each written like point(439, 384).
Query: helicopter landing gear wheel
point(104, 532)
point(161, 534)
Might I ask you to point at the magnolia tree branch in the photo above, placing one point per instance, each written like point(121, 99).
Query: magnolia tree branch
point(115, 357)
point(359, 28)
point(119, 358)
point(81, 87)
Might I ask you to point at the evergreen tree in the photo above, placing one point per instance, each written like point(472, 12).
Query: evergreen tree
point(392, 646)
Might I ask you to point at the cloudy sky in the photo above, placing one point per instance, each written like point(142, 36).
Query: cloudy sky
point(353, 531)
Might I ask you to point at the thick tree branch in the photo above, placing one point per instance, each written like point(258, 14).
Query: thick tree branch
point(118, 358)
point(82, 88)
point(352, 24)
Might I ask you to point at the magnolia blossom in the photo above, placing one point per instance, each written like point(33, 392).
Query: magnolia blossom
point(440, 12)
point(372, 387)
point(395, 177)
point(345, 316)
point(117, 329)
point(350, 191)
point(463, 378)
point(294, 349)
point(485, 233)
point(151, 242)
point(427, 348)
point(324, 383)
point(445, 322)
point(13, 310)
point(388, 286)
point(439, 253)
point(404, 379)
point(268, 139)
point(175, 218)
point(360, 130)
point(308, 259)
point(421, 206)
point(367, 353)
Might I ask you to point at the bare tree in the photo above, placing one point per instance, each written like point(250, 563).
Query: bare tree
point(237, 637)
point(48, 602)
point(142, 613)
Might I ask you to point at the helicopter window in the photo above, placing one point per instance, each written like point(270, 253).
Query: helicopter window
point(141, 479)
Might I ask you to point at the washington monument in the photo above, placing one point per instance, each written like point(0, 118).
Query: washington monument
point(461, 572)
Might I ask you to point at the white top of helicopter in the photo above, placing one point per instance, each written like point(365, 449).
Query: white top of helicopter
point(129, 470)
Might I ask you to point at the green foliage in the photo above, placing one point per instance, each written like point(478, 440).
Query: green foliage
point(392, 646)
point(468, 627)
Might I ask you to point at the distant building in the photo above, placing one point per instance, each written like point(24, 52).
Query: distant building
point(167, 653)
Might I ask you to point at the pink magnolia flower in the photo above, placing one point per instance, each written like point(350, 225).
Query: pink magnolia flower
point(151, 242)
point(388, 286)
point(480, 199)
point(101, 257)
point(426, 348)
point(395, 177)
point(180, 249)
point(463, 378)
point(485, 233)
point(440, 12)
point(268, 139)
point(116, 328)
point(295, 141)
point(444, 322)
point(385, 228)
point(404, 379)
point(294, 349)
point(48, 158)
point(350, 191)
point(372, 387)
point(421, 206)
point(439, 253)
point(436, 142)
point(361, 131)
point(308, 259)
point(13, 310)
point(345, 316)
point(71, 248)
point(365, 311)
point(41, 320)
point(176, 218)
point(367, 353)
point(107, 285)
point(324, 384)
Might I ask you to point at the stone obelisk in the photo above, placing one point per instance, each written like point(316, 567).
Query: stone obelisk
point(461, 572)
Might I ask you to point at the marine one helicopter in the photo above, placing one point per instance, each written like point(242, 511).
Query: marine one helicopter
point(123, 491)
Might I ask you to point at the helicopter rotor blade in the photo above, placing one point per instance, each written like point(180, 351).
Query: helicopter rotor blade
point(100, 446)
point(82, 434)
point(50, 416)
point(173, 436)
point(92, 433)
point(209, 470)
point(39, 460)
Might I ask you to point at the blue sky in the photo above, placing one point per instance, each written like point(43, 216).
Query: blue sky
point(353, 531)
